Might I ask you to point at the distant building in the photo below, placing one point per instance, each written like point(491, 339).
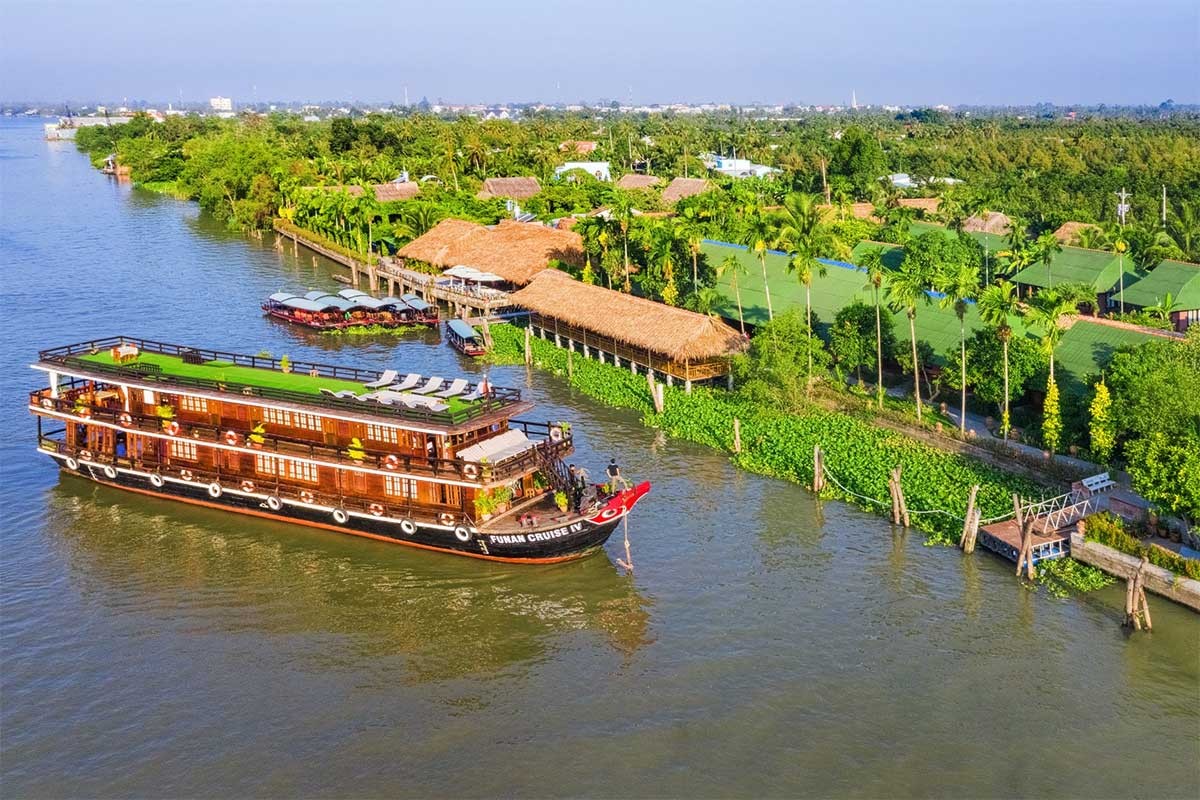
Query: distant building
point(635, 181)
point(509, 188)
point(902, 180)
point(597, 169)
point(220, 103)
point(737, 167)
point(582, 148)
point(680, 188)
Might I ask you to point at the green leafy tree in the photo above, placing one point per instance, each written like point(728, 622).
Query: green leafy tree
point(859, 158)
point(773, 371)
point(986, 367)
point(997, 308)
point(1101, 428)
point(1166, 471)
point(853, 337)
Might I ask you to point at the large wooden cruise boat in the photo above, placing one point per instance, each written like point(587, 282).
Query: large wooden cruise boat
point(406, 458)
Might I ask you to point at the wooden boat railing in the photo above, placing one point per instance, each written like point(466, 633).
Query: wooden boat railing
point(498, 398)
point(482, 473)
point(386, 506)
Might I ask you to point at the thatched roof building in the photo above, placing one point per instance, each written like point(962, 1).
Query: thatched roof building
point(636, 181)
point(1068, 232)
point(928, 205)
point(384, 192)
point(988, 222)
point(509, 188)
point(516, 251)
point(684, 187)
point(671, 340)
point(580, 147)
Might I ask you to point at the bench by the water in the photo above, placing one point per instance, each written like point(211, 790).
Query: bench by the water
point(1096, 483)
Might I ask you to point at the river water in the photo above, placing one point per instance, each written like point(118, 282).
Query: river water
point(768, 644)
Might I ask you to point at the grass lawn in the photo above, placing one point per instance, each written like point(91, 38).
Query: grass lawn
point(249, 376)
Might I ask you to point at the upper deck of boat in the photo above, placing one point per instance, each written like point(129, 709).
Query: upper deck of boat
point(201, 371)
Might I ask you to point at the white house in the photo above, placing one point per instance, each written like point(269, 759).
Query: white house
point(220, 103)
point(737, 167)
point(598, 169)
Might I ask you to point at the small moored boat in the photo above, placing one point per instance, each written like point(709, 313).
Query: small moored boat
point(464, 338)
point(349, 308)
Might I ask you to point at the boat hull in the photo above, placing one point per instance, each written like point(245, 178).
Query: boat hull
point(546, 544)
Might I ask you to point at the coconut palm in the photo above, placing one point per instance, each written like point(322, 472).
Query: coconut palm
point(734, 267)
point(1044, 313)
point(1184, 229)
point(622, 210)
point(905, 291)
point(1046, 247)
point(959, 285)
point(872, 261)
point(758, 232)
point(1094, 237)
point(997, 305)
point(692, 231)
point(705, 301)
point(664, 240)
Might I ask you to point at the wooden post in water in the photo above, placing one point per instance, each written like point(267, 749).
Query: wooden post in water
point(900, 497)
point(737, 435)
point(1017, 510)
point(1137, 610)
point(970, 523)
point(1025, 553)
point(570, 363)
point(895, 500)
point(818, 469)
point(528, 348)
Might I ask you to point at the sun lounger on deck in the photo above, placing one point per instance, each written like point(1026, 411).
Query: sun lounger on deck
point(457, 387)
point(345, 394)
point(432, 385)
point(389, 376)
point(410, 380)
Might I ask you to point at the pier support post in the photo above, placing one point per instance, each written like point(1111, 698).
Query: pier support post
point(737, 435)
point(1137, 610)
point(354, 273)
point(571, 345)
point(557, 340)
point(687, 386)
point(1025, 554)
point(571, 363)
point(818, 483)
point(970, 523)
point(600, 353)
point(670, 379)
point(899, 507)
point(586, 354)
point(528, 348)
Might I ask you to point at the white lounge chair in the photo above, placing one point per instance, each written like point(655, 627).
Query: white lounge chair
point(473, 395)
point(386, 379)
point(457, 387)
point(345, 394)
point(439, 407)
point(432, 385)
point(410, 380)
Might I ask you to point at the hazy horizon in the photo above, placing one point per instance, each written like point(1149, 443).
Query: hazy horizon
point(465, 51)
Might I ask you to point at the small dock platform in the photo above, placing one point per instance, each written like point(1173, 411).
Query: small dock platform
point(1004, 539)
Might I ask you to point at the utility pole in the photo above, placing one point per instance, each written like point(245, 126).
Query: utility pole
point(1122, 210)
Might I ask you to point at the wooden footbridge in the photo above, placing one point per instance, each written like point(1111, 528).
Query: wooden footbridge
point(1046, 523)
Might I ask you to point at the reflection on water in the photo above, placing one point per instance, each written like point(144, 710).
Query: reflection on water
point(446, 617)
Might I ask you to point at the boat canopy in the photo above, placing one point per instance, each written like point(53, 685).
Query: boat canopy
point(279, 297)
point(462, 329)
point(498, 448)
point(415, 303)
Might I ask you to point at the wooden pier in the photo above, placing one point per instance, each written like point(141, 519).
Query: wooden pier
point(1050, 525)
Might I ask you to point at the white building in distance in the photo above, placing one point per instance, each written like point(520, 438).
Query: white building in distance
point(737, 167)
point(220, 103)
point(597, 169)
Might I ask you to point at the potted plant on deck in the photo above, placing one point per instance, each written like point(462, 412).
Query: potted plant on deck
point(560, 500)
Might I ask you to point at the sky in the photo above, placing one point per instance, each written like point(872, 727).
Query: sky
point(918, 52)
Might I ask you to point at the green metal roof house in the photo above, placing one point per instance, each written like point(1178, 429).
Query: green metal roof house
point(1181, 280)
point(1096, 268)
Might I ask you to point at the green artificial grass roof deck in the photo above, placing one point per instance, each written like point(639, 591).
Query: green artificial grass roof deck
point(1086, 348)
point(261, 377)
point(1181, 279)
point(1096, 268)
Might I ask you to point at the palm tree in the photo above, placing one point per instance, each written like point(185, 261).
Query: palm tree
point(872, 261)
point(705, 301)
point(622, 209)
point(758, 232)
point(997, 305)
point(733, 267)
point(905, 290)
point(1094, 237)
point(693, 233)
point(960, 285)
point(1047, 246)
point(1184, 230)
point(1163, 308)
point(1044, 312)
point(664, 239)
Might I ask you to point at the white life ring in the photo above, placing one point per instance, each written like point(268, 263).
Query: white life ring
point(172, 428)
point(408, 527)
point(72, 464)
point(375, 509)
point(214, 490)
point(556, 434)
point(125, 419)
point(340, 516)
point(306, 496)
point(462, 534)
point(391, 462)
point(47, 402)
point(248, 486)
point(110, 471)
point(186, 474)
point(274, 503)
point(86, 455)
point(156, 480)
point(470, 470)
point(231, 438)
